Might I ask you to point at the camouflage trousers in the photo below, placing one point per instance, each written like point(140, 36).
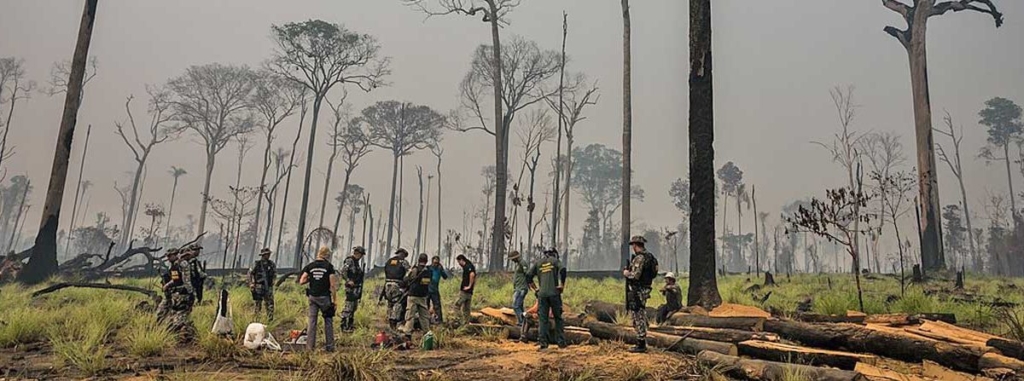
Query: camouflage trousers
point(637, 305)
point(261, 298)
point(349, 309)
point(396, 302)
point(178, 317)
point(163, 308)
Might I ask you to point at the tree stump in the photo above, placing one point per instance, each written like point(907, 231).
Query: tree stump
point(769, 280)
point(918, 277)
point(959, 280)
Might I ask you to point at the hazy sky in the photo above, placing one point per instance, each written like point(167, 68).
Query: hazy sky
point(775, 62)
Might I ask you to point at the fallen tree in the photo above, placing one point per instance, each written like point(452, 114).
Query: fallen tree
point(759, 370)
point(909, 319)
point(103, 286)
point(730, 322)
point(606, 331)
point(608, 312)
point(803, 355)
point(883, 343)
point(716, 334)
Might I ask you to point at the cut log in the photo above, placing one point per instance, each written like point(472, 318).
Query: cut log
point(716, 334)
point(572, 336)
point(741, 323)
point(878, 374)
point(791, 353)
point(822, 318)
point(607, 312)
point(759, 370)
point(912, 319)
point(606, 331)
point(939, 372)
point(856, 338)
point(738, 310)
point(1010, 348)
point(993, 360)
point(497, 314)
point(103, 286)
point(959, 333)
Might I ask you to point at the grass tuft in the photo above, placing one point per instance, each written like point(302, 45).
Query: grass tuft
point(355, 366)
point(144, 337)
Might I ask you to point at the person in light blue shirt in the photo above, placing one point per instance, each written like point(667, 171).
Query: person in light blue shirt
point(434, 298)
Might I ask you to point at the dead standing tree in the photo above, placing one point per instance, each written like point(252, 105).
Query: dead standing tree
point(885, 155)
point(43, 258)
point(897, 185)
point(275, 98)
point(13, 87)
point(495, 13)
point(540, 132)
point(320, 55)
point(354, 145)
point(913, 39)
point(212, 101)
point(575, 97)
point(341, 119)
point(836, 219)
point(954, 163)
point(703, 288)
point(400, 128)
point(175, 173)
point(627, 135)
point(845, 149)
point(303, 107)
point(159, 108)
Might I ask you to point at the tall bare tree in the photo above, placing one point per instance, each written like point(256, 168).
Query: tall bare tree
point(320, 55)
point(400, 128)
point(176, 173)
point(341, 119)
point(354, 144)
point(898, 186)
point(43, 260)
point(13, 87)
point(703, 288)
point(627, 133)
point(575, 97)
point(280, 171)
point(914, 39)
point(303, 109)
point(556, 206)
point(419, 215)
point(438, 151)
point(538, 131)
point(275, 98)
point(845, 148)
point(213, 101)
point(141, 145)
point(78, 187)
point(954, 163)
point(884, 154)
point(495, 13)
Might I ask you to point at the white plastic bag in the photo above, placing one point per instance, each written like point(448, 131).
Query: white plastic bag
point(222, 324)
point(256, 336)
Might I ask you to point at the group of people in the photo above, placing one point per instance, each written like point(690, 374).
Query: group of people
point(182, 285)
point(412, 291)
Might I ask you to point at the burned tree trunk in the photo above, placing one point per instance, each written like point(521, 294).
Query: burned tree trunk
point(43, 261)
point(703, 289)
point(733, 366)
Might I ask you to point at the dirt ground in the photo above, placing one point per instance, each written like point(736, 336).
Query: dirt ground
point(470, 360)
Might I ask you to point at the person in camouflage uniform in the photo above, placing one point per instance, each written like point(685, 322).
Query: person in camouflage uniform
point(165, 305)
point(352, 275)
point(197, 274)
point(643, 267)
point(181, 296)
point(394, 290)
point(261, 283)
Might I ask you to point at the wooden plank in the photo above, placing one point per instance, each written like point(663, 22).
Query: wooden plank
point(741, 323)
point(936, 371)
point(496, 313)
point(738, 310)
point(878, 374)
point(803, 355)
point(909, 319)
point(961, 333)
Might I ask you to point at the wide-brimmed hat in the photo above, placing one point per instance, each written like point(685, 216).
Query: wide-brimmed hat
point(514, 255)
point(638, 240)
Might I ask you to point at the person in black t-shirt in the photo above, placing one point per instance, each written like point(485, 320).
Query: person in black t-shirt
point(322, 286)
point(466, 289)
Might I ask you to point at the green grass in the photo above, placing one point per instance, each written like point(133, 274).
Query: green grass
point(144, 337)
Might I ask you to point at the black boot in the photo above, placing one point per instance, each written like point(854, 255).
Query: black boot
point(640, 347)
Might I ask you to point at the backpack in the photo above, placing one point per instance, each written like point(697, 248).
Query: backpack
point(650, 270)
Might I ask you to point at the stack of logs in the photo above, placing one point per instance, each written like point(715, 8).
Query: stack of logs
point(748, 343)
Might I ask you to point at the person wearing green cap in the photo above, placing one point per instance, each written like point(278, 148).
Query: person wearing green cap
point(550, 277)
point(352, 275)
point(261, 283)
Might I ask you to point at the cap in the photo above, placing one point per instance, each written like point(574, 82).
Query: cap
point(551, 251)
point(422, 258)
point(265, 251)
point(402, 252)
point(638, 239)
point(359, 250)
point(670, 275)
point(514, 254)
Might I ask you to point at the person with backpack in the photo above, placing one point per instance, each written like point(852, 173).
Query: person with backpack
point(640, 274)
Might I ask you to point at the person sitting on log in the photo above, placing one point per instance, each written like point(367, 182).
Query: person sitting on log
point(673, 299)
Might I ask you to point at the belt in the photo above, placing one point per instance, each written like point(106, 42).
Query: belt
point(392, 281)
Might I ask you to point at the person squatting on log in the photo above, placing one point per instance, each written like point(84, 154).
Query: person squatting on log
point(465, 302)
point(673, 298)
point(418, 283)
point(643, 267)
point(322, 292)
point(519, 289)
point(550, 277)
point(197, 273)
point(437, 272)
point(180, 295)
point(394, 292)
point(352, 274)
point(261, 283)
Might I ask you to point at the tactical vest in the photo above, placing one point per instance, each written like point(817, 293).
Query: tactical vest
point(355, 273)
point(175, 277)
point(650, 270)
point(261, 271)
point(420, 286)
point(393, 270)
